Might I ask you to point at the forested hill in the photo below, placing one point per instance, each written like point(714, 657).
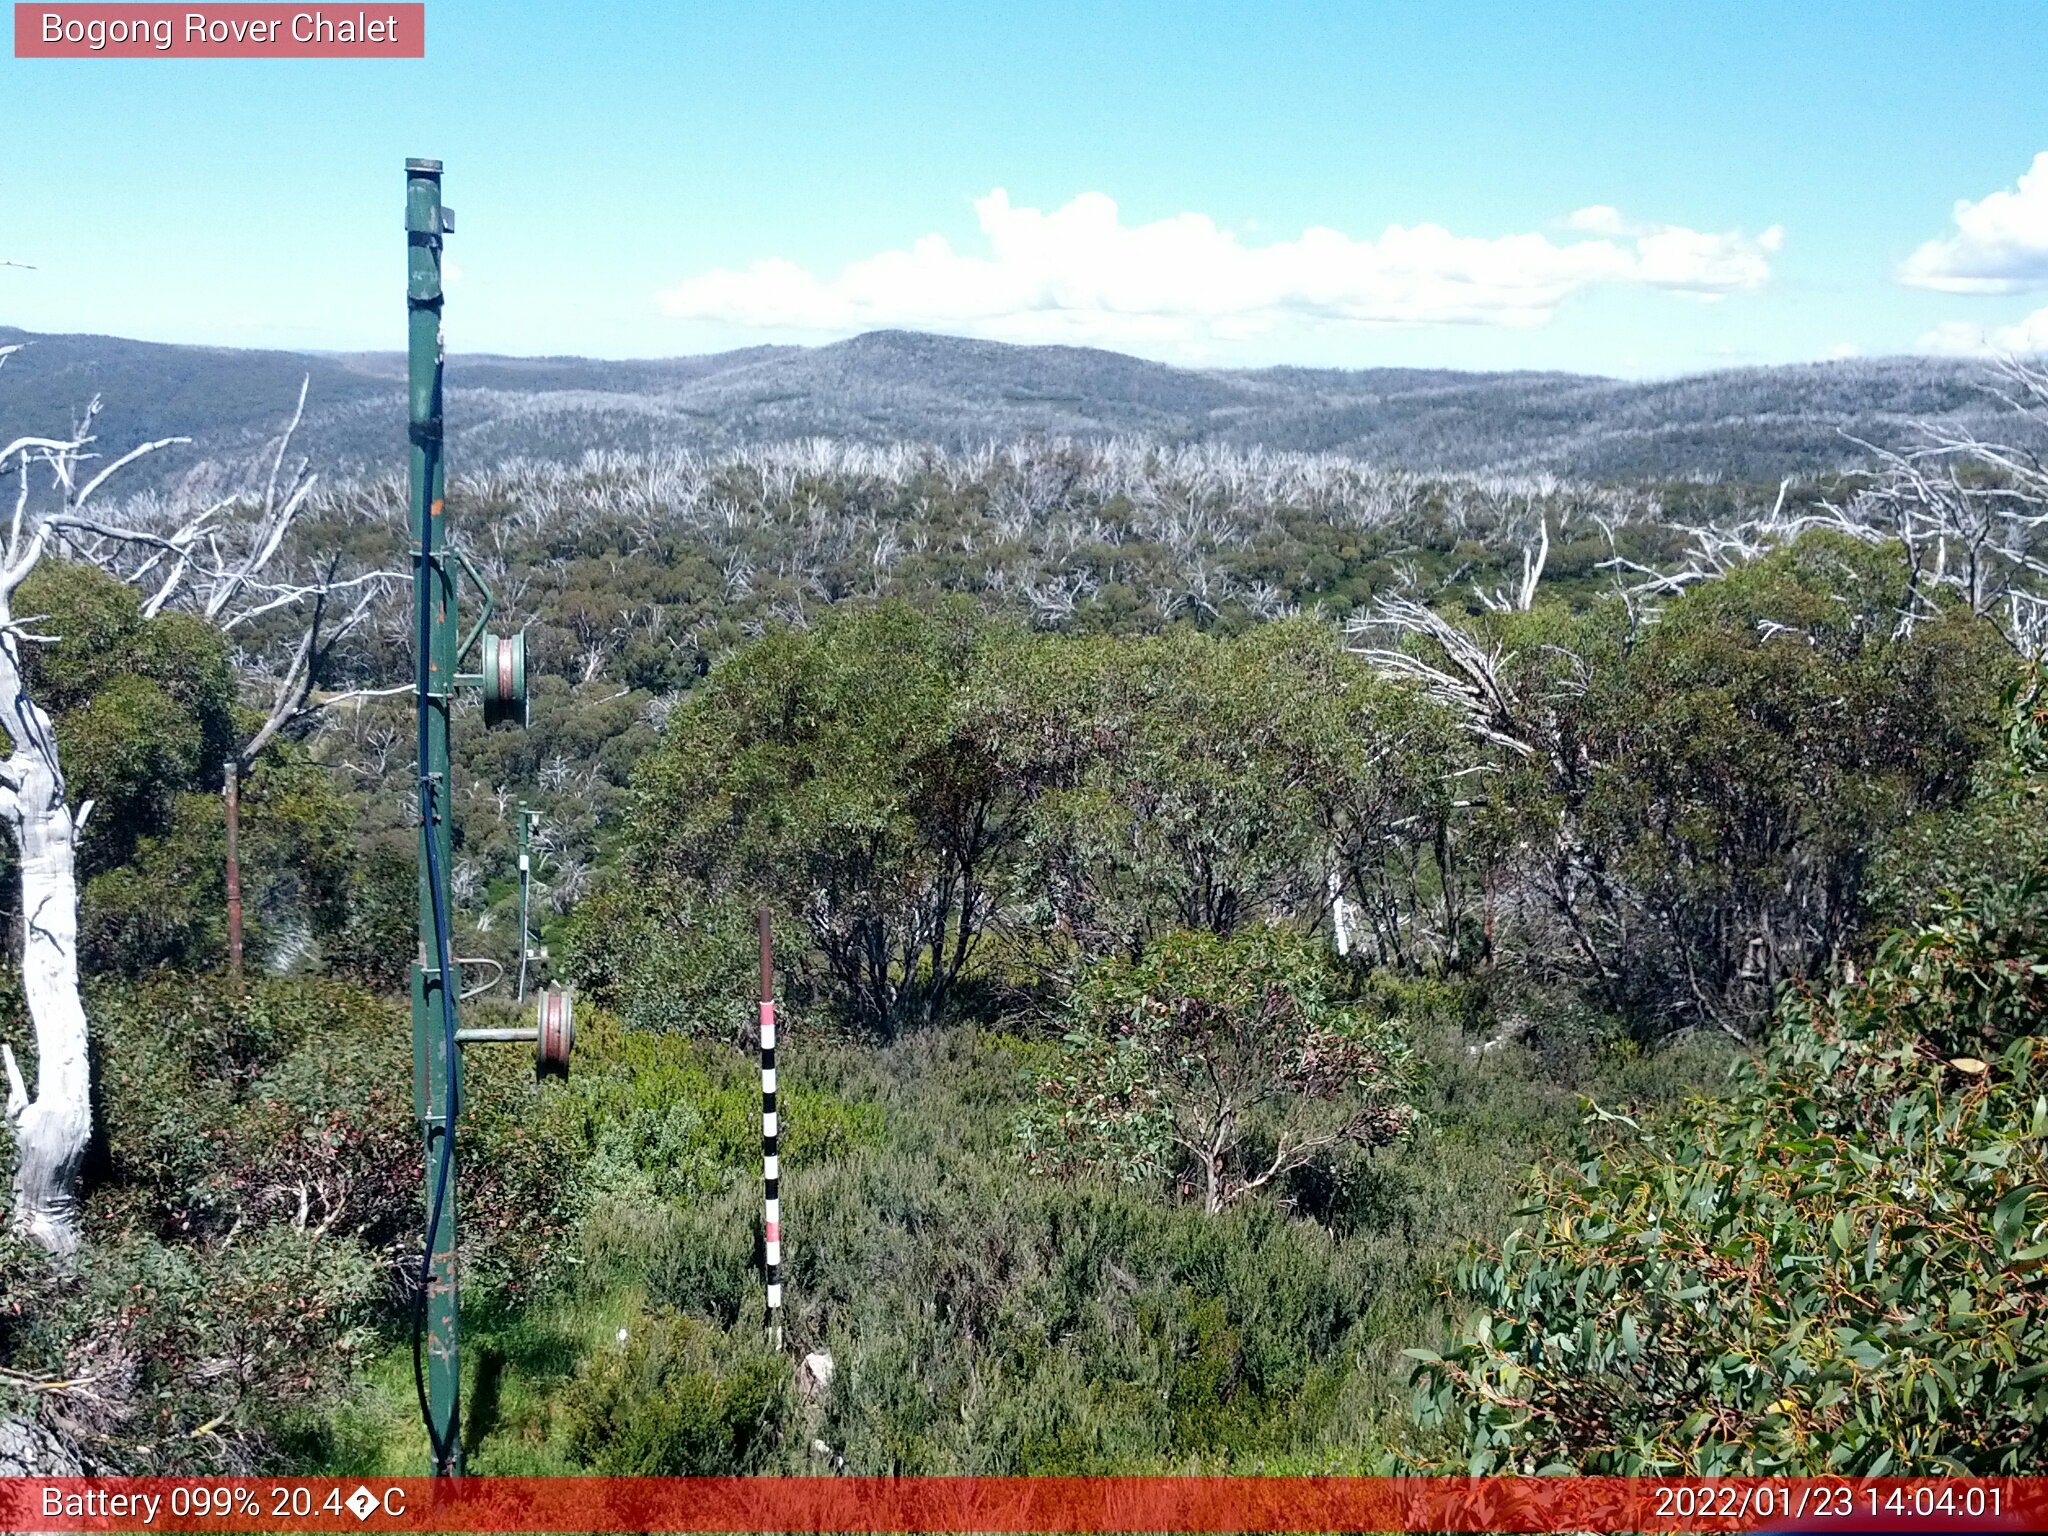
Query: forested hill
point(1752, 424)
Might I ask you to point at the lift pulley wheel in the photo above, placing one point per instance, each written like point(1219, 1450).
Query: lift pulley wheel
point(557, 1032)
point(504, 679)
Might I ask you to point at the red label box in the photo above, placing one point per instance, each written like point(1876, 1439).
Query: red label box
point(361, 31)
point(876, 1505)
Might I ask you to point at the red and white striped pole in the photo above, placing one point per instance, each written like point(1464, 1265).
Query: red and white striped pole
point(771, 1161)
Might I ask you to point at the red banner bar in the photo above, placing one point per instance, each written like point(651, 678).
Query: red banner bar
point(1010, 1504)
point(362, 31)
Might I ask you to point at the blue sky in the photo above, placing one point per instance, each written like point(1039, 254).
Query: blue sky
point(1636, 189)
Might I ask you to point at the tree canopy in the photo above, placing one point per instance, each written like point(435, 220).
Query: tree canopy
point(1836, 1270)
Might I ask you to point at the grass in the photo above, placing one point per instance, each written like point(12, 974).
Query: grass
point(515, 1369)
point(987, 1320)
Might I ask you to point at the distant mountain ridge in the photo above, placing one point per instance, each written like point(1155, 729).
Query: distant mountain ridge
point(1754, 424)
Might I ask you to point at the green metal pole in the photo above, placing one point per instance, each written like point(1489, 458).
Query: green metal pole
point(436, 1068)
point(526, 820)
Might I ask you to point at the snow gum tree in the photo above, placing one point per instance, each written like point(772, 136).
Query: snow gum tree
point(176, 563)
point(53, 1127)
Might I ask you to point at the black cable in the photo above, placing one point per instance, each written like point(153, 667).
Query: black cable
point(442, 1454)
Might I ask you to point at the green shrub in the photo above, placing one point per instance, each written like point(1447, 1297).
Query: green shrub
point(376, 935)
point(1224, 1063)
point(226, 1107)
point(678, 1399)
point(664, 1117)
point(671, 966)
point(828, 774)
point(521, 1165)
point(184, 1356)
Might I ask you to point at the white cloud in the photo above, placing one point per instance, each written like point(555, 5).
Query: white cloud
point(1957, 338)
point(2000, 244)
point(1079, 273)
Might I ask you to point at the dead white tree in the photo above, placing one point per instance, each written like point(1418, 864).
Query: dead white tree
point(1452, 666)
point(1535, 555)
point(52, 1127)
point(1972, 515)
point(189, 558)
point(222, 562)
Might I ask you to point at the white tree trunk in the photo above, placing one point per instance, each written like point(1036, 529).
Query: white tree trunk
point(52, 1130)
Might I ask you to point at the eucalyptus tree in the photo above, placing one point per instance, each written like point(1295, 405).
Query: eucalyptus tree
point(1836, 1267)
point(827, 770)
point(236, 562)
point(1692, 790)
